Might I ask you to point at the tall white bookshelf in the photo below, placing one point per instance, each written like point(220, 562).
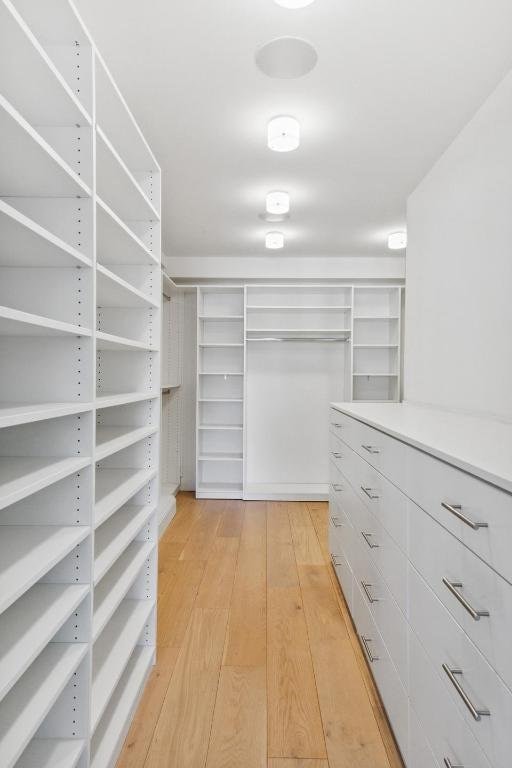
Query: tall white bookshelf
point(220, 388)
point(80, 299)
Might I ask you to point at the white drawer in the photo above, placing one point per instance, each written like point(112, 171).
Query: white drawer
point(337, 549)
point(391, 690)
point(448, 735)
point(444, 562)
point(390, 621)
point(432, 483)
point(378, 544)
point(419, 752)
point(447, 645)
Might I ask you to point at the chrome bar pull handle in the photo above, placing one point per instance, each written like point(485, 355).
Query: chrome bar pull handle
point(336, 522)
point(334, 560)
point(366, 645)
point(366, 588)
point(369, 492)
point(336, 455)
point(448, 763)
point(456, 509)
point(367, 537)
point(337, 487)
point(453, 587)
point(476, 713)
point(334, 424)
point(370, 448)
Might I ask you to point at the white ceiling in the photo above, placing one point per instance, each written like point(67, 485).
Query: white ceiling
point(395, 82)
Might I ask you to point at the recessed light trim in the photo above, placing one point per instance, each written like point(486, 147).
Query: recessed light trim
point(286, 58)
point(294, 3)
point(397, 241)
point(277, 202)
point(274, 241)
point(283, 133)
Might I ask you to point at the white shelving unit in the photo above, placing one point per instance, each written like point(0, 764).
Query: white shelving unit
point(80, 299)
point(220, 392)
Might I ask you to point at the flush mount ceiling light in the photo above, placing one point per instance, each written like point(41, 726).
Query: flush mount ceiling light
point(286, 58)
point(283, 133)
point(278, 202)
point(397, 241)
point(294, 3)
point(274, 241)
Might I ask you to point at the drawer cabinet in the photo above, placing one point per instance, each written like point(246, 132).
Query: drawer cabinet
point(422, 553)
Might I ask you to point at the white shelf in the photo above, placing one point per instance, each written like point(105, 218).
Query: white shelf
point(299, 330)
point(297, 308)
point(112, 728)
point(117, 185)
point(375, 346)
point(13, 322)
point(219, 344)
point(21, 477)
point(29, 625)
point(124, 398)
point(28, 165)
point(236, 427)
point(52, 753)
point(376, 317)
point(109, 341)
point(24, 243)
point(117, 244)
point(371, 375)
point(12, 414)
point(110, 440)
point(116, 533)
point(22, 53)
point(221, 373)
point(113, 587)
point(113, 291)
point(112, 651)
point(114, 487)
point(220, 400)
point(220, 490)
point(220, 457)
point(221, 317)
point(27, 704)
point(27, 552)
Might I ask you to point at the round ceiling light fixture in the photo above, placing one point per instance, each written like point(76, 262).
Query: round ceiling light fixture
point(283, 134)
point(274, 241)
point(294, 3)
point(397, 241)
point(286, 58)
point(277, 202)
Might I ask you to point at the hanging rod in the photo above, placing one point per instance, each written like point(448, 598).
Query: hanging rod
point(334, 339)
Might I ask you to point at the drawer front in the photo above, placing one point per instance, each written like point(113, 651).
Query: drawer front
point(446, 563)
point(447, 645)
point(386, 678)
point(432, 483)
point(448, 735)
point(389, 619)
point(338, 525)
point(420, 752)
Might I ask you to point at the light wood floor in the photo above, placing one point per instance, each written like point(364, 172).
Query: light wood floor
point(258, 664)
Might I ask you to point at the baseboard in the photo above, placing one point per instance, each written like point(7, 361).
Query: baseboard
point(286, 492)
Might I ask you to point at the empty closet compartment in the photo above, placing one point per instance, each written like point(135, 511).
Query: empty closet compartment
point(376, 331)
point(221, 387)
point(307, 298)
point(221, 331)
point(375, 388)
point(126, 287)
point(132, 521)
point(222, 476)
point(45, 714)
point(221, 302)
point(132, 327)
point(120, 426)
point(221, 359)
point(220, 443)
point(121, 371)
point(126, 476)
point(220, 414)
point(300, 318)
point(375, 360)
point(377, 301)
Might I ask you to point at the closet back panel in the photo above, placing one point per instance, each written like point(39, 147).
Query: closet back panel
point(298, 296)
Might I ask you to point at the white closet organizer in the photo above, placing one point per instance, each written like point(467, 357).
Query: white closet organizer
point(80, 292)
point(262, 393)
point(220, 388)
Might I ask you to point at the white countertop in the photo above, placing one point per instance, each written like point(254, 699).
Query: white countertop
point(480, 446)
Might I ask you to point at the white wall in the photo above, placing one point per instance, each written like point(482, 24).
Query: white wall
point(193, 268)
point(458, 319)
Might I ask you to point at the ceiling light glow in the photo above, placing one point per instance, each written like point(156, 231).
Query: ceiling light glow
point(283, 134)
point(397, 241)
point(274, 241)
point(278, 202)
point(294, 3)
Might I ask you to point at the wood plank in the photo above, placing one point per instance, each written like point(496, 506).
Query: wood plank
point(294, 723)
point(175, 606)
point(246, 641)
point(281, 565)
point(319, 512)
point(141, 731)
point(203, 534)
point(305, 541)
point(293, 762)
point(181, 525)
point(239, 732)
point(352, 734)
point(217, 583)
point(232, 519)
point(182, 732)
